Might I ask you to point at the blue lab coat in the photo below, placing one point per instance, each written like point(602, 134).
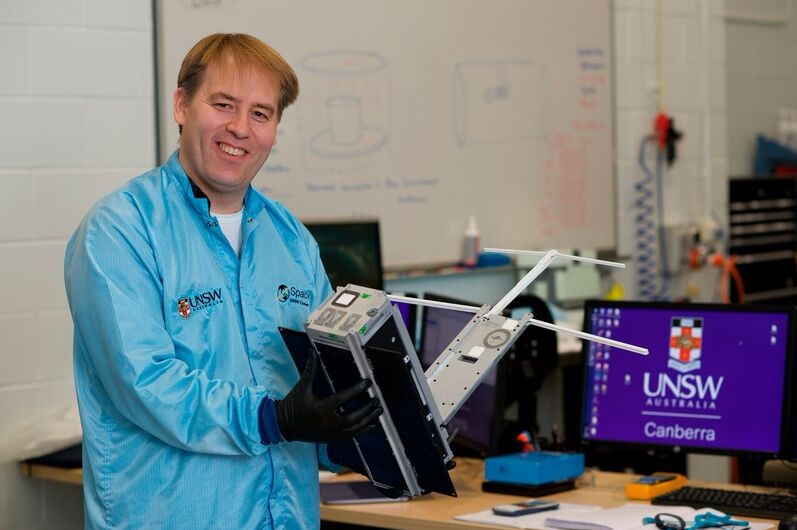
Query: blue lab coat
point(175, 347)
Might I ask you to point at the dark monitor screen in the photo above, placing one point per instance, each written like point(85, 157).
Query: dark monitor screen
point(714, 381)
point(477, 422)
point(351, 251)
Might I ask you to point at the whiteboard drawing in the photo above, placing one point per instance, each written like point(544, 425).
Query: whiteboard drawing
point(500, 101)
point(343, 110)
point(346, 135)
point(344, 63)
point(206, 4)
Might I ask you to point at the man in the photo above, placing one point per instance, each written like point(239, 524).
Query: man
point(189, 401)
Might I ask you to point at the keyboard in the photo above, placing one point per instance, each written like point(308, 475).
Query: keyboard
point(734, 502)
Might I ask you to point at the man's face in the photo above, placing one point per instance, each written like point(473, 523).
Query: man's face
point(229, 127)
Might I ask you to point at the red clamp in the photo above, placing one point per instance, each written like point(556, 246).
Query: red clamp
point(662, 127)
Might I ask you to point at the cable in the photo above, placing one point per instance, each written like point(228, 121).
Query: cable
point(660, 50)
point(648, 238)
point(663, 255)
point(729, 272)
point(645, 228)
point(648, 287)
point(733, 272)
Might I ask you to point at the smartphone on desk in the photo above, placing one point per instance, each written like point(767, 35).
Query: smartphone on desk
point(525, 507)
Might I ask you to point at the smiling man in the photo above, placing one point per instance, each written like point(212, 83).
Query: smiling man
point(193, 413)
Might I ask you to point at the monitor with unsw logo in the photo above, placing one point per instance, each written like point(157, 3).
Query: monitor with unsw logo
point(715, 381)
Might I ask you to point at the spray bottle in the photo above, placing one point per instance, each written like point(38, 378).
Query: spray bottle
point(471, 243)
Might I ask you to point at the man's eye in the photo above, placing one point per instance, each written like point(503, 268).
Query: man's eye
point(260, 116)
point(223, 106)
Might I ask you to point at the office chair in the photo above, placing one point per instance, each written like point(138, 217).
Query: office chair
point(532, 358)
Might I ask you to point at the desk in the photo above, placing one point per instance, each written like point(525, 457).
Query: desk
point(435, 512)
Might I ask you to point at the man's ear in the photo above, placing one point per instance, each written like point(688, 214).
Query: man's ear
point(180, 106)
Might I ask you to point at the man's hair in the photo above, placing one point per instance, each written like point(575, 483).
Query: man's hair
point(242, 50)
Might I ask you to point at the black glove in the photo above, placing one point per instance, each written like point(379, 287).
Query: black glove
point(305, 417)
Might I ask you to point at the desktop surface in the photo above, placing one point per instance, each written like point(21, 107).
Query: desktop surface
point(595, 488)
point(714, 380)
point(434, 511)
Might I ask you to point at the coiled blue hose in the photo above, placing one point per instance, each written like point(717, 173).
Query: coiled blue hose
point(646, 236)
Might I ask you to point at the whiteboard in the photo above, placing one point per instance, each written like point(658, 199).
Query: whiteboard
point(422, 112)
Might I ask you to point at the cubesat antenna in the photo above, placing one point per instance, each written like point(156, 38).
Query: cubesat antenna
point(358, 334)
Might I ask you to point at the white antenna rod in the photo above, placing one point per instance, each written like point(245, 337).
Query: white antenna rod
point(513, 293)
point(433, 303)
point(568, 256)
point(588, 336)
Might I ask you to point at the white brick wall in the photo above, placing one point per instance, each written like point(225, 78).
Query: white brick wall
point(77, 108)
point(42, 13)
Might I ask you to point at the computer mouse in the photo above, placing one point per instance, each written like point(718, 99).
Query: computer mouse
point(788, 523)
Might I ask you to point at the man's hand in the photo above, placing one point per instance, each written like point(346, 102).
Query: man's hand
point(305, 417)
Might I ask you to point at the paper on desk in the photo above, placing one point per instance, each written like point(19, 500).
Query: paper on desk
point(626, 517)
point(532, 520)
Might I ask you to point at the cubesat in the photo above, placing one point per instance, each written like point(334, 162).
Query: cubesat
point(358, 334)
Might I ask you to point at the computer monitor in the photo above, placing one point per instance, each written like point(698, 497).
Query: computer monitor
point(350, 250)
point(791, 401)
point(439, 326)
point(714, 382)
point(477, 424)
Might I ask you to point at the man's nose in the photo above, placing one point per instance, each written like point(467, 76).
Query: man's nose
point(238, 124)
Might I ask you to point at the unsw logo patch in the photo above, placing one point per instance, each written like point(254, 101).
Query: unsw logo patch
point(189, 305)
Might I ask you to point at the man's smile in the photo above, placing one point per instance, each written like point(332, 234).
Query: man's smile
point(230, 150)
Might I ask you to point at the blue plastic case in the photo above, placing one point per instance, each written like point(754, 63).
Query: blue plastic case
point(534, 468)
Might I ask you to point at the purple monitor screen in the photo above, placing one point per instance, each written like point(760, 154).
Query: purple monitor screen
point(440, 326)
point(406, 311)
point(713, 382)
point(475, 420)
